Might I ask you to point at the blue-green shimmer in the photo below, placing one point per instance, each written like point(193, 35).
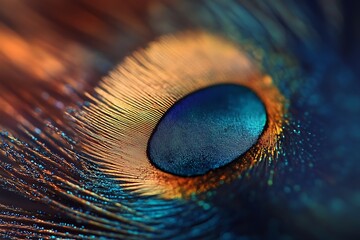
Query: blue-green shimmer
point(207, 130)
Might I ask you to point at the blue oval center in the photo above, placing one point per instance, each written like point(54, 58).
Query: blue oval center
point(207, 129)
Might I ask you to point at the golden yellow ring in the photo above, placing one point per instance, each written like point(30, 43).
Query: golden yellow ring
point(130, 101)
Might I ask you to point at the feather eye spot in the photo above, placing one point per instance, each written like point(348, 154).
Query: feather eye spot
point(133, 99)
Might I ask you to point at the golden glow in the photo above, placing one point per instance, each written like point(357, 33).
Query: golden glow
point(115, 129)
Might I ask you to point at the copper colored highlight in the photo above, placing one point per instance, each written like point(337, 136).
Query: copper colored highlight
point(114, 130)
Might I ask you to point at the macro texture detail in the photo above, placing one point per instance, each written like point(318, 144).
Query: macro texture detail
point(209, 119)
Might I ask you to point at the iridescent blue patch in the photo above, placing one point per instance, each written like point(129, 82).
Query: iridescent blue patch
point(207, 130)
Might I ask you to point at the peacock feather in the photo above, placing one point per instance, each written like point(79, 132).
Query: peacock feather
point(179, 120)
